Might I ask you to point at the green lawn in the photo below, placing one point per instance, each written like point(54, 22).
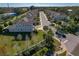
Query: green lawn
point(10, 47)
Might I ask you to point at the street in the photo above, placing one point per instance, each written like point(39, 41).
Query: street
point(44, 22)
point(43, 19)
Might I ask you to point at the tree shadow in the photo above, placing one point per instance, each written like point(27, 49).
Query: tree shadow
point(15, 34)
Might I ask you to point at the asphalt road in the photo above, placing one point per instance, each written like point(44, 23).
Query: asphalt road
point(43, 19)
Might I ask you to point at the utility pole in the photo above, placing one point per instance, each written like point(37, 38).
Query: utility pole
point(8, 7)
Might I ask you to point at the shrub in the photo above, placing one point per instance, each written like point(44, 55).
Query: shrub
point(45, 27)
point(5, 24)
point(10, 22)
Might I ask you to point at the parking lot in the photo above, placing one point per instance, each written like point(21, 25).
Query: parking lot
point(72, 42)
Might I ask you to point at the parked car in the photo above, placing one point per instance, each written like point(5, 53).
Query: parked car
point(60, 34)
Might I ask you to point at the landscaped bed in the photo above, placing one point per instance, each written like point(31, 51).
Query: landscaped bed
point(61, 53)
point(58, 50)
point(56, 42)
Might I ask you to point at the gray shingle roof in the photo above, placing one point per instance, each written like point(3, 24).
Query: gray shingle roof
point(24, 25)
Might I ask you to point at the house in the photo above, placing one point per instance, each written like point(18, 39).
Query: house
point(56, 15)
point(23, 25)
point(60, 17)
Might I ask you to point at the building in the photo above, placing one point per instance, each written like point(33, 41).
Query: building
point(60, 17)
point(23, 25)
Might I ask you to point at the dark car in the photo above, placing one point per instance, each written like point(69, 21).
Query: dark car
point(60, 34)
point(64, 36)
